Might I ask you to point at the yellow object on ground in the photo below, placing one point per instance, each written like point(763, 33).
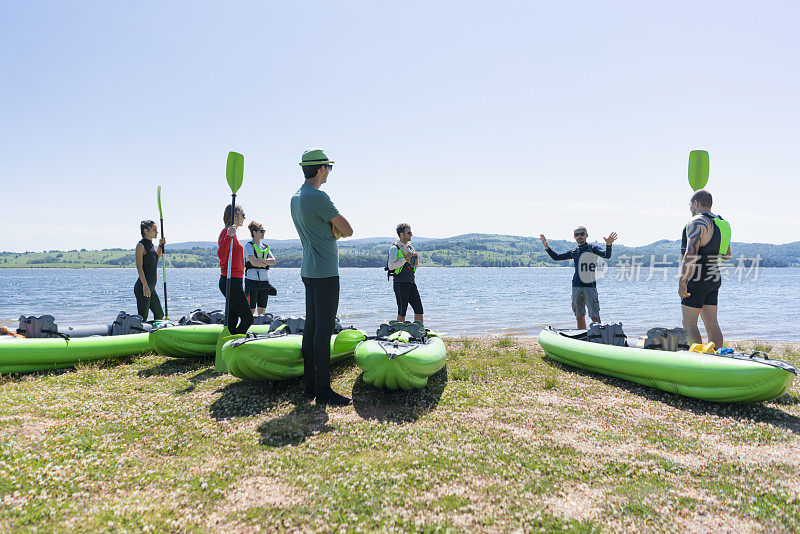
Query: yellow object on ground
point(708, 348)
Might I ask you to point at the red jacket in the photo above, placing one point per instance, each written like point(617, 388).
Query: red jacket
point(224, 242)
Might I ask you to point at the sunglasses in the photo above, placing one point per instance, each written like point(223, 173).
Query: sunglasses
point(578, 234)
point(259, 230)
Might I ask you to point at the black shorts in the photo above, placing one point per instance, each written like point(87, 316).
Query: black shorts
point(406, 293)
point(702, 293)
point(258, 292)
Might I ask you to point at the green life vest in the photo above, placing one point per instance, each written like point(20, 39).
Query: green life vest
point(264, 251)
point(401, 255)
point(724, 236)
point(260, 253)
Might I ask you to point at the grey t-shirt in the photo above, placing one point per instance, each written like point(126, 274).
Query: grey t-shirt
point(312, 211)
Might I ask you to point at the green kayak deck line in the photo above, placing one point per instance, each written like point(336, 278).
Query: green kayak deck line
point(280, 357)
point(191, 341)
point(708, 377)
point(400, 365)
point(26, 355)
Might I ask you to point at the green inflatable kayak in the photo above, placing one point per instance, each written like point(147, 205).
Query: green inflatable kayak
point(720, 378)
point(25, 355)
point(398, 361)
point(191, 341)
point(278, 355)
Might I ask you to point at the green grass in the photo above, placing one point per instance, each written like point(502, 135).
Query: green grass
point(763, 347)
point(505, 341)
point(500, 440)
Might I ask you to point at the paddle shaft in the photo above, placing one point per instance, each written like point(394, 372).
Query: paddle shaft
point(164, 270)
point(230, 262)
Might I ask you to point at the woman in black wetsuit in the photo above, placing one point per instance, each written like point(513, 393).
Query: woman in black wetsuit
point(146, 265)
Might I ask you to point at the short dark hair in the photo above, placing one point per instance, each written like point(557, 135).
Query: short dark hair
point(703, 197)
point(402, 228)
point(226, 216)
point(253, 226)
point(144, 225)
point(310, 171)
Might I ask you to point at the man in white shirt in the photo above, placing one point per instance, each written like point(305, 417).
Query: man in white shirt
point(402, 262)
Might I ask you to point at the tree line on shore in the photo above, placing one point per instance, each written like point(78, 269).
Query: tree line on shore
point(471, 250)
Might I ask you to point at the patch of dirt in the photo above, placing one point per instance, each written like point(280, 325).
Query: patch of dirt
point(252, 492)
point(260, 491)
point(31, 427)
point(345, 416)
point(784, 454)
point(579, 502)
point(702, 523)
point(706, 517)
point(469, 491)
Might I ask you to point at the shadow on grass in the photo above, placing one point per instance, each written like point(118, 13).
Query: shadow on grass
point(174, 366)
point(740, 411)
point(196, 379)
point(102, 363)
point(304, 421)
point(245, 398)
point(13, 378)
point(398, 406)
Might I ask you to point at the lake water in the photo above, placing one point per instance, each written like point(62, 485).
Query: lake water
point(518, 301)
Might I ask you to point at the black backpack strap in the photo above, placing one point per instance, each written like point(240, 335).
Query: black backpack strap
point(55, 332)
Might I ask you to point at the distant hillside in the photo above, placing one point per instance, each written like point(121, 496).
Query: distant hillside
point(185, 245)
point(288, 243)
point(468, 250)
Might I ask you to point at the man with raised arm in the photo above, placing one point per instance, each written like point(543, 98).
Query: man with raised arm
point(584, 284)
point(319, 224)
point(705, 243)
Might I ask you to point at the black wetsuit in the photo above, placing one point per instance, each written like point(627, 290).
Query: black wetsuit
point(706, 279)
point(150, 268)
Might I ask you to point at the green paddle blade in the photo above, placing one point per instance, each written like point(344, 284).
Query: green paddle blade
point(235, 171)
point(219, 362)
point(160, 215)
point(698, 169)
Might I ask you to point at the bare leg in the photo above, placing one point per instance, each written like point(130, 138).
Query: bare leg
point(709, 315)
point(261, 311)
point(581, 322)
point(690, 316)
point(418, 317)
point(595, 319)
point(401, 318)
point(254, 311)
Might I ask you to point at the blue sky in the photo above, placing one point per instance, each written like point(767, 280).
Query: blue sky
point(503, 117)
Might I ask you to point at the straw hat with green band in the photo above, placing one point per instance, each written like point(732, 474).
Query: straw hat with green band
point(314, 156)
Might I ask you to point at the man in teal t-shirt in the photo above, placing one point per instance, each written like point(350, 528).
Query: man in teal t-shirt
point(319, 224)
